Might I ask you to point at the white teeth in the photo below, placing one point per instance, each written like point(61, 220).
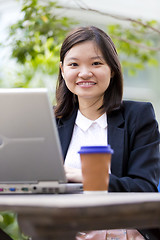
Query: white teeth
point(86, 83)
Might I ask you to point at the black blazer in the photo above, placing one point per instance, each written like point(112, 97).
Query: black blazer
point(133, 135)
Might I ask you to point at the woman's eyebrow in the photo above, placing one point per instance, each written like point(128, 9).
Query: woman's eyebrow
point(75, 58)
point(97, 57)
point(71, 58)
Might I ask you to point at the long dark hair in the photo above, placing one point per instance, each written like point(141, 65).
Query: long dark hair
point(66, 100)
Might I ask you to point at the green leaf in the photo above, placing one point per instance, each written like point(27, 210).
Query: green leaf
point(9, 223)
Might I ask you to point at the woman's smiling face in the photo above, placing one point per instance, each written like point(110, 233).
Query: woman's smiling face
point(85, 71)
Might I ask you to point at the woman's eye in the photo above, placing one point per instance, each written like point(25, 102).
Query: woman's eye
point(97, 63)
point(73, 64)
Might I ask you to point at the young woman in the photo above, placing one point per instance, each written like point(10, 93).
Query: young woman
point(90, 111)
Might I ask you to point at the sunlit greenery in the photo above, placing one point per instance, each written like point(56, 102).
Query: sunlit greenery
point(9, 224)
point(136, 44)
point(35, 41)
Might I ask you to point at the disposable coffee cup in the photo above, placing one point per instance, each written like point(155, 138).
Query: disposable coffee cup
point(95, 162)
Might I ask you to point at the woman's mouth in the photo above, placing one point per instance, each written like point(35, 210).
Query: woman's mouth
point(85, 83)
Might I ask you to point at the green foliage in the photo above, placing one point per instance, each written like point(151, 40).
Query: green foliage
point(135, 44)
point(9, 224)
point(36, 38)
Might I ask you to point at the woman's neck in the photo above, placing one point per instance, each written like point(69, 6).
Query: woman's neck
point(90, 109)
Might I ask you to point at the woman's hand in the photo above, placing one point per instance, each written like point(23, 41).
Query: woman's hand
point(73, 174)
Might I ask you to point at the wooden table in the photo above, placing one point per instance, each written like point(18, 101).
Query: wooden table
point(57, 217)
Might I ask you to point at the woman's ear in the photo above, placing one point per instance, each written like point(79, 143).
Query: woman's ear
point(61, 67)
point(112, 74)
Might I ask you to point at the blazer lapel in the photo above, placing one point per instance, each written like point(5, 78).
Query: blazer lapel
point(65, 130)
point(116, 140)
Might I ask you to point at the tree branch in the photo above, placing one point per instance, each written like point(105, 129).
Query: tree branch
point(86, 8)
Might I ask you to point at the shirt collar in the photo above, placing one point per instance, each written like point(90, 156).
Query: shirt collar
point(85, 123)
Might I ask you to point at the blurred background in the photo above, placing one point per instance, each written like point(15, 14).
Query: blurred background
point(31, 33)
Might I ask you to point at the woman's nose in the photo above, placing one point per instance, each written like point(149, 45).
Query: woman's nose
point(85, 73)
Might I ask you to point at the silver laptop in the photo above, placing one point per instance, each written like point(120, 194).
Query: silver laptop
point(30, 154)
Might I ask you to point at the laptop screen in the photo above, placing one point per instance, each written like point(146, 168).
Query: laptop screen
point(30, 151)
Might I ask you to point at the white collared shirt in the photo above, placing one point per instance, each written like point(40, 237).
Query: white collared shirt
point(86, 133)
